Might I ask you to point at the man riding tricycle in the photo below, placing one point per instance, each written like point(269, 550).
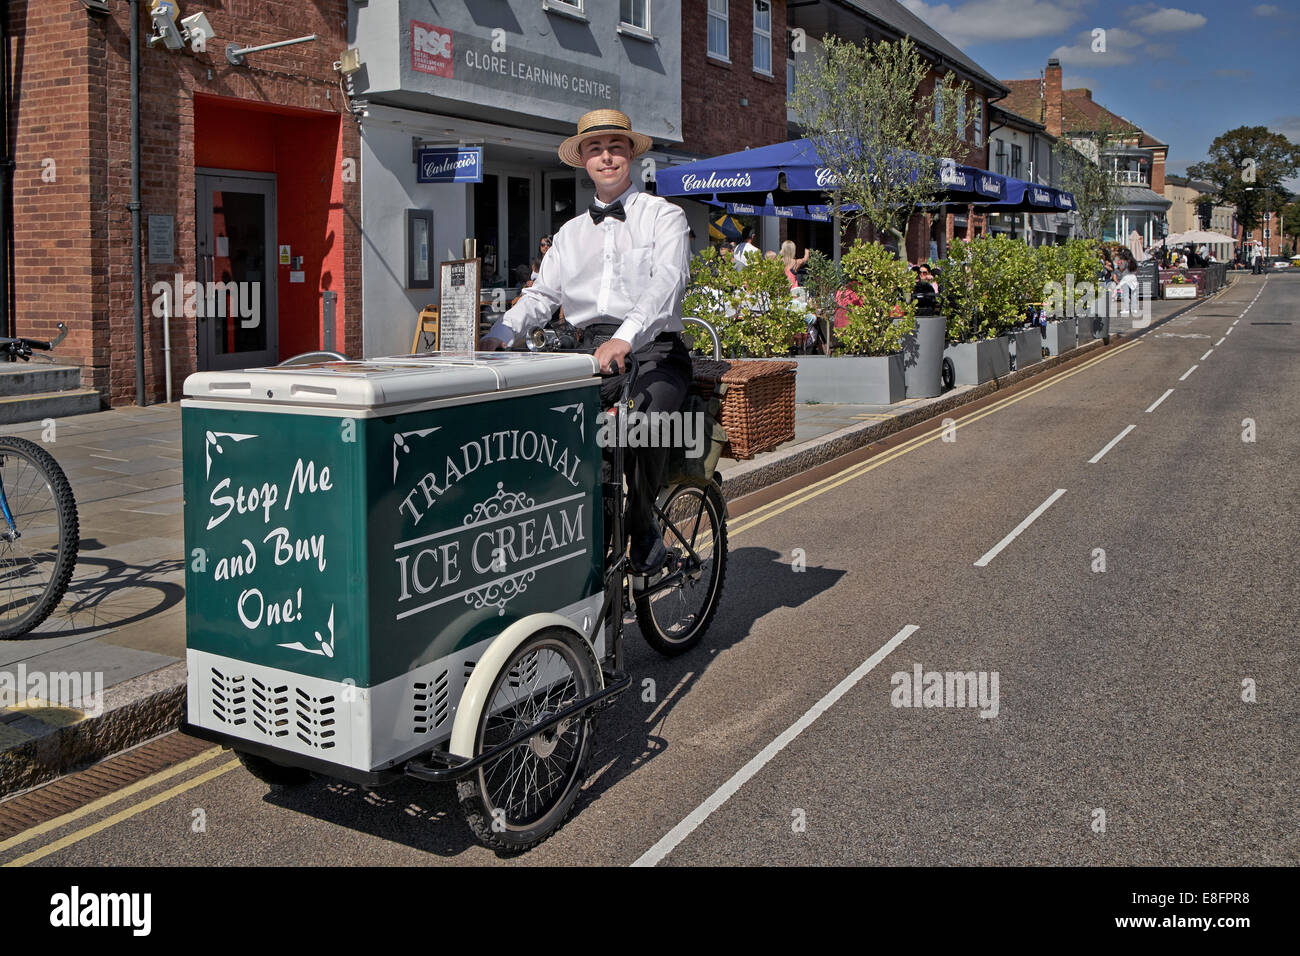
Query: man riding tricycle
point(419, 566)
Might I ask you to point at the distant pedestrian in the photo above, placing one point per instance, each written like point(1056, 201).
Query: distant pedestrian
point(746, 248)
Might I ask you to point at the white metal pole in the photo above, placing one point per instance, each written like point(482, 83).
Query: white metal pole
point(167, 344)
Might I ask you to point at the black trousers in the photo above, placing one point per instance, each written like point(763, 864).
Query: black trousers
point(663, 377)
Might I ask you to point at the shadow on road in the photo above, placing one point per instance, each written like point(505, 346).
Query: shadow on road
point(426, 817)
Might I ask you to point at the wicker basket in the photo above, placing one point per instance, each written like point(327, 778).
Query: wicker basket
point(757, 402)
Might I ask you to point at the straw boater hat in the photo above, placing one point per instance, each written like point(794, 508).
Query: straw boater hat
point(601, 123)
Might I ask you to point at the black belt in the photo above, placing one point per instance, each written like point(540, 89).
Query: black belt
point(596, 333)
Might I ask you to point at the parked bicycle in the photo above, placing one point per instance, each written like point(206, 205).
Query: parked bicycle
point(39, 535)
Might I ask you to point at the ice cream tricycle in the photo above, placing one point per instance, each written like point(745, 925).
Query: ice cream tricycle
point(411, 567)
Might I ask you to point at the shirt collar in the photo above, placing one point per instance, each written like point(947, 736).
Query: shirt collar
point(625, 198)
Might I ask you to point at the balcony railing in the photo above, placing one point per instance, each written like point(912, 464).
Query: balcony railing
point(1130, 177)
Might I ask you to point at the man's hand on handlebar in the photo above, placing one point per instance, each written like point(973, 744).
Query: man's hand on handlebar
point(612, 355)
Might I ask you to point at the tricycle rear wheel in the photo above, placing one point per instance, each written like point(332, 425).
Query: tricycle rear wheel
point(275, 775)
point(518, 799)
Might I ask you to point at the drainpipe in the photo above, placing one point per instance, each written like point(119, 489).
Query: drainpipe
point(6, 178)
point(137, 267)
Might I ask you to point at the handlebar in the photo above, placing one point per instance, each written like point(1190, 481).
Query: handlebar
point(22, 348)
point(552, 340)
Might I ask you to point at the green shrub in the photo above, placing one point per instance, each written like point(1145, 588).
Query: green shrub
point(751, 308)
point(885, 312)
point(986, 285)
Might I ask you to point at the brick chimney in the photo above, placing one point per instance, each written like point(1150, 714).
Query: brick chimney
point(1052, 97)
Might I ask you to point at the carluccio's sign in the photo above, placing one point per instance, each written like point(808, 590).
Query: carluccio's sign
point(379, 552)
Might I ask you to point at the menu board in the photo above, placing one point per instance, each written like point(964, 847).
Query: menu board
point(458, 306)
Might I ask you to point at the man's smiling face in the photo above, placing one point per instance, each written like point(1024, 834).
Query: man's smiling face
point(608, 160)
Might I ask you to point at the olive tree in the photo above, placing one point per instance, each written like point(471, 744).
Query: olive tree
point(879, 131)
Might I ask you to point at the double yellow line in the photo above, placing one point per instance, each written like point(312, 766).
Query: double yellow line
point(784, 504)
point(106, 801)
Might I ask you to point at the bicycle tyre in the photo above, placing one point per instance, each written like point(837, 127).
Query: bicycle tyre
point(65, 505)
point(652, 629)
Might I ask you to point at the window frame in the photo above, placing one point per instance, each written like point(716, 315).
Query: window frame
point(573, 9)
point(709, 17)
point(631, 29)
point(763, 33)
point(978, 121)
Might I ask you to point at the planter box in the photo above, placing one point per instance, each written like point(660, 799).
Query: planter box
point(1029, 347)
point(1093, 327)
point(1061, 335)
point(923, 357)
point(974, 363)
point(1185, 290)
point(850, 379)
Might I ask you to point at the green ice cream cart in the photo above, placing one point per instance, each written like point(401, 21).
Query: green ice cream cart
point(396, 568)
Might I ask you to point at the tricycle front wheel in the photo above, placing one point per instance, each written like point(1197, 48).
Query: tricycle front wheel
point(673, 619)
point(521, 797)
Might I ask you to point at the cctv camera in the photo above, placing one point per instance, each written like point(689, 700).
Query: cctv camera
point(167, 33)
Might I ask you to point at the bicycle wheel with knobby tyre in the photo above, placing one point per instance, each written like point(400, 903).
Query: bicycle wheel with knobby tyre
point(39, 535)
point(673, 619)
point(519, 798)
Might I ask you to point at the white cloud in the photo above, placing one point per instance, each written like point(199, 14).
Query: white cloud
point(1267, 10)
point(1288, 126)
point(1169, 20)
point(973, 21)
point(1116, 52)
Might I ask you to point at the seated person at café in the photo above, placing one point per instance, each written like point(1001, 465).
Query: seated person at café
point(926, 291)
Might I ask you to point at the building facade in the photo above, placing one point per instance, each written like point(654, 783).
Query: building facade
point(1189, 203)
point(240, 161)
point(1134, 159)
point(509, 78)
point(1023, 149)
point(875, 20)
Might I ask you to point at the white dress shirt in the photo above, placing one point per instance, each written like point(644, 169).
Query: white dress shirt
point(631, 272)
point(743, 252)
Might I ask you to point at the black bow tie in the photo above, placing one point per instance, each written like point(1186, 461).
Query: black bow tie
point(614, 210)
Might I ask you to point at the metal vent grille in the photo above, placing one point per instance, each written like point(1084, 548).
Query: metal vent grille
point(432, 702)
point(229, 698)
point(271, 709)
point(525, 672)
point(315, 719)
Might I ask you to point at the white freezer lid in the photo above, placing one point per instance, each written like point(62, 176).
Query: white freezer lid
point(393, 380)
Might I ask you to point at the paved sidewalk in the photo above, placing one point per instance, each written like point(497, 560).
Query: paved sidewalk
point(124, 613)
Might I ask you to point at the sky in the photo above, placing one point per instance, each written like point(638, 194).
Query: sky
point(1183, 73)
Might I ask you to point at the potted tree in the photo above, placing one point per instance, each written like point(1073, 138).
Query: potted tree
point(1061, 329)
point(981, 301)
point(866, 367)
point(1024, 267)
point(756, 317)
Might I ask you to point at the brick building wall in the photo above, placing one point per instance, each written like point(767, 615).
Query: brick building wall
point(713, 121)
point(72, 90)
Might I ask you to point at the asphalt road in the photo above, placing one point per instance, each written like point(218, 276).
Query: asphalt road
point(1119, 691)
